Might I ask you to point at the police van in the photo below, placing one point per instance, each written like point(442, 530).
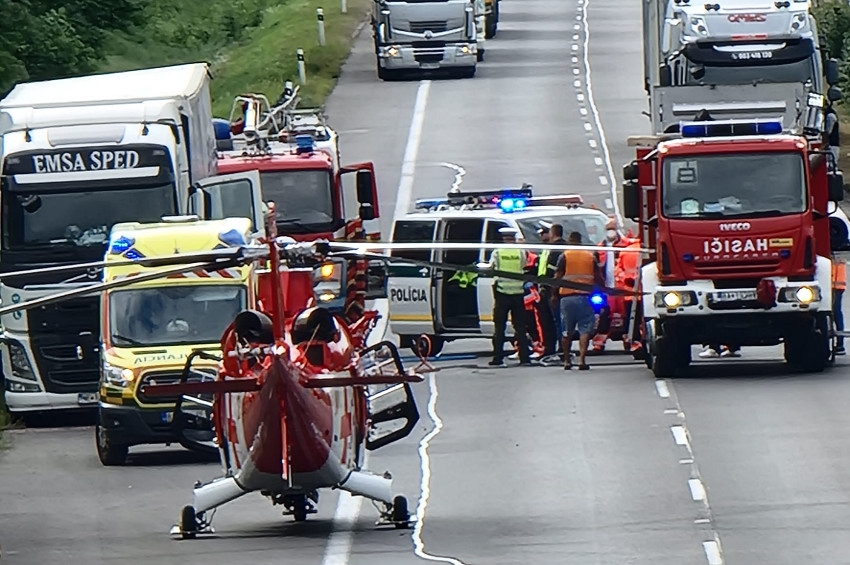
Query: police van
point(446, 305)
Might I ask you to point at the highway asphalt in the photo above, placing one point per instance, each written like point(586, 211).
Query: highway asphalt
point(741, 464)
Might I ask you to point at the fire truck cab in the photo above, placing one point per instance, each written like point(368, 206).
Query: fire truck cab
point(446, 306)
point(737, 213)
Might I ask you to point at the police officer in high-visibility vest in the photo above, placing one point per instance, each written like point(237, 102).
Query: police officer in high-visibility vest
point(839, 285)
point(508, 298)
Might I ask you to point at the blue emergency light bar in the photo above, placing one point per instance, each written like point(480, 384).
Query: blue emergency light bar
point(724, 128)
point(304, 144)
point(508, 200)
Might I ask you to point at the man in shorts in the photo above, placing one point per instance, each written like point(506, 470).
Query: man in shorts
point(578, 266)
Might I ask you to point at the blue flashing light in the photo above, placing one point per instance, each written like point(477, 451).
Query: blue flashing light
point(687, 257)
point(121, 245)
point(133, 255)
point(221, 128)
point(428, 203)
point(304, 144)
point(597, 299)
point(232, 238)
point(512, 204)
point(730, 128)
point(785, 253)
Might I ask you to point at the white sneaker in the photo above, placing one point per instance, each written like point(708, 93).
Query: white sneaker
point(708, 354)
point(729, 353)
point(534, 355)
point(514, 357)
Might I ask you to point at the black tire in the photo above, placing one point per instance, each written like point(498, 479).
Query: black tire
point(479, 57)
point(188, 522)
point(468, 73)
point(110, 452)
point(810, 352)
point(491, 25)
point(400, 513)
point(419, 345)
point(838, 236)
point(672, 357)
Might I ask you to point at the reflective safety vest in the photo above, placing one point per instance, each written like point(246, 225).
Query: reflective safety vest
point(628, 268)
point(580, 268)
point(543, 263)
point(510, 261)
point(839, 274)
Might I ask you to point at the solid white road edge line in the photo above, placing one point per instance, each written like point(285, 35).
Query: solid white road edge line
point(338, 548)
point(414, 136)
point(425, 485)
point(595, 111)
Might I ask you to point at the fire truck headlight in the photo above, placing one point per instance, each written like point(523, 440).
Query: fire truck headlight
point(329, 281)
point(805, 295)
point(116, 376)
point(672, 299)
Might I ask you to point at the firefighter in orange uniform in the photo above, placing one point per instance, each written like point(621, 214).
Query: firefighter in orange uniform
point(839, 285)
point(608, 264)
point(628, 269)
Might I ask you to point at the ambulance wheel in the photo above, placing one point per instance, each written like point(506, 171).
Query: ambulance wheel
point(110, 453)
point(188, 522)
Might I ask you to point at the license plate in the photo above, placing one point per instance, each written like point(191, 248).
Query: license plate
point(733, 295)
point(429, 66)
point(86, 398)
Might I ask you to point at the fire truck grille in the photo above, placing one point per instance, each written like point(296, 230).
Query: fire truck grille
point(435, 26)
point(752, 268)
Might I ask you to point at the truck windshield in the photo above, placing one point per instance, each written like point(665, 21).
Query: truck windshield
point(41, 215)
point(725, 185)
point(173, 315)
point(590, 226)
point(304, 200)
point(797, 72)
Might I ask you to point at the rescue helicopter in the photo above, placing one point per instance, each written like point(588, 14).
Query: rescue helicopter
point(298, 394)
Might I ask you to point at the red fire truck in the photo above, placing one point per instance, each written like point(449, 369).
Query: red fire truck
point(736, 212)
point(291, 157)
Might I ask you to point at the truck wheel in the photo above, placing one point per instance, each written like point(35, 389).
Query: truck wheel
point(672, 356)
point(468, 73)
point(809, 351)
point(490, 25)
point(479, 56)
point(109, 452)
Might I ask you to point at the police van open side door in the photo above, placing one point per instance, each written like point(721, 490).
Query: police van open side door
point(456, 290)
point(238, 195)
point(410, 286)
point(485, 281)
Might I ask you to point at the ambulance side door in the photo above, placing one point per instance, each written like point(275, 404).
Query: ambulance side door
point(238, 195)
point(410, 286)
point(485, 282)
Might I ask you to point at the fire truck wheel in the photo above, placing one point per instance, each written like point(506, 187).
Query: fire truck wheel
point(671, 357)
point(809, 351)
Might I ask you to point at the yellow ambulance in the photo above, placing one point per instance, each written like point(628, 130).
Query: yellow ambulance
point(148, 329)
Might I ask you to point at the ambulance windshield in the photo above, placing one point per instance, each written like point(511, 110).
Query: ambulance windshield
point(303, 199)
point(173, 315)
point(590, 226)
point(728, 185)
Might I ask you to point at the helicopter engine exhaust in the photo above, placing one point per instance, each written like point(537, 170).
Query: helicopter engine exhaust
point(371, 486)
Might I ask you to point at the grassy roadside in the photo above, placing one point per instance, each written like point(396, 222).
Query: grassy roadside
point(261, 59)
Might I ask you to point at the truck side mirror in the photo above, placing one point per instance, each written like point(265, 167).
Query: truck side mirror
point(631, 200)
point(364, 187)
point(831, 72)
point(367, 212)
point(834, 94)
point(630, 171)
point(836, 186)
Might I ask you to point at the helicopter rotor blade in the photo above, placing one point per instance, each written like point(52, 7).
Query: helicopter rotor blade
point(546, 281)
point(117, 283)
point(427, 246)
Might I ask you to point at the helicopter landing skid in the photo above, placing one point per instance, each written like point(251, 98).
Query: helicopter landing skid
point(191, 524)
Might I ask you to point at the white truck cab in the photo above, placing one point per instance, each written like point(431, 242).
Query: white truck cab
point(446, 305)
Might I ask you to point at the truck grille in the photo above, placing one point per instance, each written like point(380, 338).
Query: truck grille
point(434, 26)
point(755, 267)
point(66, 363)
point(163, 378)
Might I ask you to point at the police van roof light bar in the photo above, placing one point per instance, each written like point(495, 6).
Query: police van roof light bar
point(489, 196)
point(727, 128)
point(557, 200)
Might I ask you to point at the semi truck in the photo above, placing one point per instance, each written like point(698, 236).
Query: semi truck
point(78, 156)
point(293, 155)
point(736, 212)
point(734, 59)
point(429, 35)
